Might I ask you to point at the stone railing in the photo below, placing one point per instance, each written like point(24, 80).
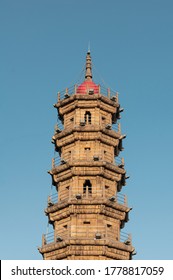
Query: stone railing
point(87, 157)
point(86, 233)
point(107, 92)
point(105, 194)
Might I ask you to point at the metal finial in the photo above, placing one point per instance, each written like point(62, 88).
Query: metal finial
point(89, 47)
point(88, 73)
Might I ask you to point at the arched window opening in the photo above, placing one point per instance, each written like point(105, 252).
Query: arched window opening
point(87, 188)
point(87, 117)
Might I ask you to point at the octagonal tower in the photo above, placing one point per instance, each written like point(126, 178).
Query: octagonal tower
point(88, 210)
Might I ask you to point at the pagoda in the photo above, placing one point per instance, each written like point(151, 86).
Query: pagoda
point(87, 210)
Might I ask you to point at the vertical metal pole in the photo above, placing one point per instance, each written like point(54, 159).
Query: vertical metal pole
point(109, 93)
point(125, 200)
point(117, 97)
point(59, 96)
point(99, 90)
point(119, 127)
point(43, 240)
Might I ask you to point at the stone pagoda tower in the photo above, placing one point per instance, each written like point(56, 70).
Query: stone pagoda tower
point(88, 210)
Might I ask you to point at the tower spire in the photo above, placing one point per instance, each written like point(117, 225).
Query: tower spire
point(88, 72)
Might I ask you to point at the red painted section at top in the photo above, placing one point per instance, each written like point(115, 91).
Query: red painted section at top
point(86, 86)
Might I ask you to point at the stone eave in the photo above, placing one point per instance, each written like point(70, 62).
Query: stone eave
point(73, 97)
point(98, 201)
point(78, 163)
point(85, 242)
point(89, 128)
point(73, 104)
point(59, 143)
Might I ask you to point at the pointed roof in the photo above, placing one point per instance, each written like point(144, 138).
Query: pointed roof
point(88, 84)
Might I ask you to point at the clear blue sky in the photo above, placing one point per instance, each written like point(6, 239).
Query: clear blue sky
point(42, 50)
